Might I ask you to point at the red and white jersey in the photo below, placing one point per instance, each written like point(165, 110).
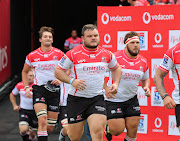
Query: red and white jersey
point(71, 42)
point(43, 64)
point(132, 71)
point(25, 103)
point(64, 93)
point(171, 61)
point(90, 66)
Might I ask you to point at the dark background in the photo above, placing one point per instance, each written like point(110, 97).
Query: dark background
point(27, 16)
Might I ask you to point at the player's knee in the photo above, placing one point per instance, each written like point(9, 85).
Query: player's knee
point(51, 124)
point(116, 130)
point(23, 127)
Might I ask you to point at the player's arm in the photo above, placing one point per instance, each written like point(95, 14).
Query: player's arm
point(25, 71)
point(13, 102)
point(159, 83)
point(145, 85)
point(116, 76)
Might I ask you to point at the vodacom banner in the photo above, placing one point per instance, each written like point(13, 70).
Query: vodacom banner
point(5, 64)
point(159, 30)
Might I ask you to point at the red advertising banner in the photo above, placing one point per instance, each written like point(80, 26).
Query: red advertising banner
point(5, 54)
point(159, 30)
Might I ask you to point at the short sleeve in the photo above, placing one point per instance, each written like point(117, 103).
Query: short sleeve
point(15, 91)
point(146, 75)
point(28, 60)
point(113, 62)
point(66, 61)
point(166, 63)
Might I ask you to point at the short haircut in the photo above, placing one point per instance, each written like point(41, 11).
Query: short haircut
point(45, 29)
point(88, 27)
point(130, 35)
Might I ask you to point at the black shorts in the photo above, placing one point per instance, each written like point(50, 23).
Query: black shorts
point(29, 116)
point(177, 113)
point(62, 112)
point(123, 109)
point(42, 95)
point(80, 108)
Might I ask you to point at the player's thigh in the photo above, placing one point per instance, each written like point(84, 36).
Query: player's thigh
point(75, 130)
point(96, 122)
point(116, 125)
point(132, 123)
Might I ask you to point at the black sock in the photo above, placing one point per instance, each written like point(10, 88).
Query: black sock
point(25, 137)
point(125, 140)
point(42, 138)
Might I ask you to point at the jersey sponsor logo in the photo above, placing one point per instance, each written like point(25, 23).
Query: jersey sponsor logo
point(53, 107)
point(37, 59)
point(137, 108)
point(93, 69)
point(46, 55)
point(46, 66)
point(92, 56)
point(99, 108)
point(81, 61)
point(130, 76)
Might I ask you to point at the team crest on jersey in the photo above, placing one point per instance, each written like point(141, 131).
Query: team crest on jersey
point(92, 56)
point(55, 58)
point(104, 60)
point(141, 68)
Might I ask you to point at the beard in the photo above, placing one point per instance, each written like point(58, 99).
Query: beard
point(91, 46)
point(132, 53)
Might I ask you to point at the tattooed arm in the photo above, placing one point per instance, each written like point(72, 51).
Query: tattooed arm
point(159, 83)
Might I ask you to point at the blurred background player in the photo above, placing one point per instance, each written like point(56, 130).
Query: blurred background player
point(63, 109)
point(45, 89)
point(72, 41)
point(123, 109)
point(28, 122)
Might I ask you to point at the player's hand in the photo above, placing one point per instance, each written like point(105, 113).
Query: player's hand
point(79, 84)
point(56, 82)
point(113, 89)
point(16, 108)
point(108, 94)
point(169, 102)
point(147, 91)
point(28, 92)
